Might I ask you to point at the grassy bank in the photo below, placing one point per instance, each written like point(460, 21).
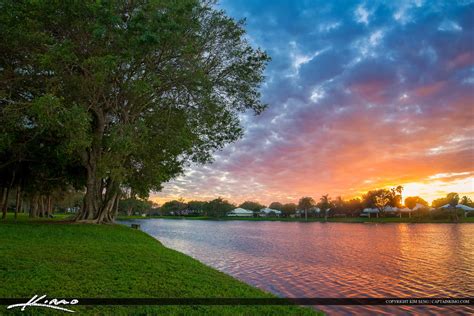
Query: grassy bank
point(331, 219)
point(112, 261)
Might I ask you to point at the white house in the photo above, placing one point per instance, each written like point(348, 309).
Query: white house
point(240, 212)
point(465, 208)
point(269, 211)
point(418, 206)
point(313, 210)
point(368, 211)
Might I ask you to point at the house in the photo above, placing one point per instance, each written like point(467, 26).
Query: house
point(314, 210)
point(465, 208)
point(240, 212)
point(269, 212)
point(367, 212)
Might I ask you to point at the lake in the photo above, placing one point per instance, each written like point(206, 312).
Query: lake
point(292, 259)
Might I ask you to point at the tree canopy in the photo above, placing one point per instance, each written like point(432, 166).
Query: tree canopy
point(412, 201)
point(252, 206)
point(110, 95)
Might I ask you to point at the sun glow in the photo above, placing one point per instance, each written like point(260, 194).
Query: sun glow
point(435, 189)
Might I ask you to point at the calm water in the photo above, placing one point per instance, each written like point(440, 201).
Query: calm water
point(335, 259)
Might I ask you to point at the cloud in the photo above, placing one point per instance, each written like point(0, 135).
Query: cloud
point(362, 95)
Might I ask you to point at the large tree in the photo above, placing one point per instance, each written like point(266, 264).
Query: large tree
point(289, 209)
point(305, 204)
point(252, 206)
point(325, 204)
point(382, 198)
point(158, 84)
point(412, 201)
point(453, 200)
point(276, 206)
point(218, 207)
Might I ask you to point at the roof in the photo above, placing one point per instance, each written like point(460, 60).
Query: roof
point(465, 207)
point(374, 210)
point(240, 211)
point(267, 210)
point(370, 210)
point(418, 206)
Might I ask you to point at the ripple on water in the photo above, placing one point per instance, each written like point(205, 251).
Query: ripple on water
point(335, 259)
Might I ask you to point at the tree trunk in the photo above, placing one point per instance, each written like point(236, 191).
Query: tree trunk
point(93, 203)
point(18, 201)
point(106, 211)
point(34, 206)
point(6, 193)
point(2, 198)
point(92, 198)
point(48, 205)
point(42, 206)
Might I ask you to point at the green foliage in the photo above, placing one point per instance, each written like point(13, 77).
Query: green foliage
point(131, 92)
point(276, 206)
point(306, 203)
point(381, 198)
point(412, 201)
point(132, 205)
point(218, 207)
point(325, 203)
point(465, 200)
point(451, 198)
point(196, 206)
point(439, 202)
point(252, 206)
point(289, 209)
point(173, 207)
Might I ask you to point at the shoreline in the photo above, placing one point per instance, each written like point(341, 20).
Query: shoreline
point(359, 220)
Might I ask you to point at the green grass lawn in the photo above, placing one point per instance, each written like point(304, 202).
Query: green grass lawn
point(112, 261)
point(312, 219)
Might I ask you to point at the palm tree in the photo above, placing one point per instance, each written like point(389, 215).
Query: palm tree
point(306, 203)
point(453, 200)
point(325, 205)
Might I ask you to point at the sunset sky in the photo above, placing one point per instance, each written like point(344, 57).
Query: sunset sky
point(361, 95)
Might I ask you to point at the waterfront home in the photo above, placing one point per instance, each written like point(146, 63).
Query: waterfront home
point(240, 212)
point(463, 207)
point(312, 211)
point(264, 212)
point(367, 212)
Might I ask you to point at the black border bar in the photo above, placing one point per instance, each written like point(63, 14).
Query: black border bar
point(256, 301)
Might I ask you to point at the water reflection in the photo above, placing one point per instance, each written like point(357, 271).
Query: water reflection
point(335, 259)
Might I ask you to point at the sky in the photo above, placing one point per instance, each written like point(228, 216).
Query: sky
point(361, 95)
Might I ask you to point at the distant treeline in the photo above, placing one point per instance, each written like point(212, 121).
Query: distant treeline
point(325, 206)
point(70, 201)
